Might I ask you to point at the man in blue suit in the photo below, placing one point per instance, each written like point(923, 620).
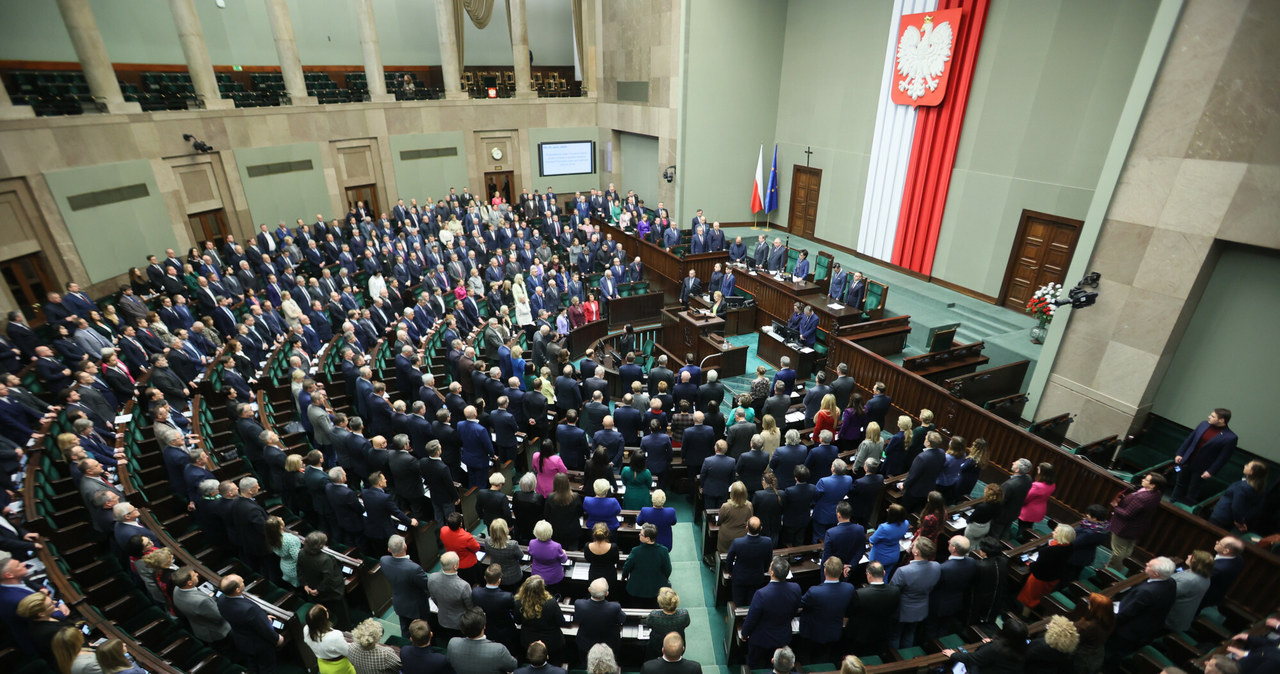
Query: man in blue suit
point(924, 472)
point(768, 623)
point(572, 441)
point(785, 375)
point(671, 238)
point(251, 630)
point(839, 282)
point(748, 562)
point(825, 609)
point(1203, 454)
point(808, 327)
point(477, 448)
point(718, 472)
point(857, 292)
point(777, 256)
point(947, 601)
point(846, 539)
point(729, 284)
point(879, 405)
point(408, 583)
point(916, 581)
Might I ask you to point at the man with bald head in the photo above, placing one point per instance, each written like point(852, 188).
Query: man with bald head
point(251, 630)
point(748, 561)
point(599, 620)
point(672, 660)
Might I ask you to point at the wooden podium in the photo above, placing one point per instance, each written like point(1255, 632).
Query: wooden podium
point(771, 350)
point(682, 329)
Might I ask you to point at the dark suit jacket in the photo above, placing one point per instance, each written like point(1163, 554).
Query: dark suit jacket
point(1015, 493)
point(948, 596)
point(661, 666)
point(408, 584)
point(848, 541)
point(599, 622)
point(498, 606)
point(1225, 572)
point(876, 615)
point(768, 622)
point(749, 558)
point(1213, 456)
point(1143, 610)
point(250, 627)
point(381, 515)
point(826, 605)
point(877, 408)
point(923, 476)
point(248, 526)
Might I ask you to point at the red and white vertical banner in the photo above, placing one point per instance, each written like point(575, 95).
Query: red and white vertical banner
point(890, 147)
point(936, 138)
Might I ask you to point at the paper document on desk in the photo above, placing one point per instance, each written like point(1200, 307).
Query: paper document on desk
point(580, 571)
point(960, 522)
point(807, 349)
point(123, 419)
point(836, 306)
point(795, 417)
point(642, 632)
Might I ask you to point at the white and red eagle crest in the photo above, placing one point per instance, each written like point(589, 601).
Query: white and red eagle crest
point(924, 54)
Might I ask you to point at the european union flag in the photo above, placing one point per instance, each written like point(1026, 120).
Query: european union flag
point(771, 197)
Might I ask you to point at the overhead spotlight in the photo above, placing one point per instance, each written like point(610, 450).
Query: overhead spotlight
point(197, 144)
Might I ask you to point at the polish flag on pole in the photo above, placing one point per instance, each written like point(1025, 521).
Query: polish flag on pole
point(757, 190)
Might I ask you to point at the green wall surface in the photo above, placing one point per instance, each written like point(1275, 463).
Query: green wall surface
point(640, 169)
point(432, 177)
point(115, 236)
point(1238, 314)
point(283, 196)
point(142, 31)
point(565, 185)
point(834, 51)
point(1050, 83)
point(730, 104)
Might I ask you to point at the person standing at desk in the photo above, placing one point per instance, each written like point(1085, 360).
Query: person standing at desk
point(690, 288)
point(777, 256)
point(801, 272)
point(718, 306)
point(839, 282)
point(808, 327)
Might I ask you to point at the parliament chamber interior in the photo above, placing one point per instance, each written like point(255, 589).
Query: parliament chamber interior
point(652, 336)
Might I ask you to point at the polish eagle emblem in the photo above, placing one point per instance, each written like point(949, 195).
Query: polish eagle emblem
point(923, 54)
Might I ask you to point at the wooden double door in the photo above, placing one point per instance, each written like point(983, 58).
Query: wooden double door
point(1041, 254)
point(802, 215)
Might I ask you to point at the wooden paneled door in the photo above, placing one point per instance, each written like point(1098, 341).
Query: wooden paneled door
point(29, 281)
point(802, 215)
point(502, 182)
point(1041, 254)
point(209, 226)
point(366, 193)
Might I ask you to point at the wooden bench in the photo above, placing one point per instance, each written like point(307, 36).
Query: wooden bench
point(885, 336)
point(989, 384)
point(942, 365)
point(1008, 407)
point(1053, 429)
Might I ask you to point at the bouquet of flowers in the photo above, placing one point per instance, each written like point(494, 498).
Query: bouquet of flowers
point(1041, 305)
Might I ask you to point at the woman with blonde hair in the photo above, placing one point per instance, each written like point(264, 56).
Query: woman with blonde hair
point(113, 658)
point(286, 545)
point(770, 434)
point(367, 655)
point(518, 290)
point(979, 524)
point(328, 644)
point(1047, 569)
point(665, 619)
point(603, 507)
point(660, 516)
point(546, 556)
point(971, 468)
point(826, 418)
point(72, 654)
point(540, 617)
point(293, 493)
point(895, 453)
point(871, 446)
point(290, 310)
point(504, 551)
point(733, 516)
point(852, 664)
point(67, 442)
point(38, 610)
point(158, 576)
point(602, 556)
point(1052, 651)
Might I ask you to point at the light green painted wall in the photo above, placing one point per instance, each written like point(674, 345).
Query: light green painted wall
point(565, 184)
point(111, 238)
point(834, 51)
point(730, 105)
point(640, 169)
point(142, 31)
point(423, 178)
point(1050, 83)
point(284, 196)
point(1238, 314)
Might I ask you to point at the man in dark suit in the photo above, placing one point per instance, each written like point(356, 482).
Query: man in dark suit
point(408, 583)
point(406, 476)
point(439, 480)
point(777, 404)
point(1015, 493)
point(473, 653)
point(536, 654)
point(568, 393)
point(718, 472)
point(748, 561)
point(777, 256)
point(826, 608)
point(1202, 455)
point(879, 405)
point(672, 660)
point(499, 607)
point(599, 620)
point(947, 602)
point(572, 442)
point(251, 629)
point(924, 472)
point(249, 527)
point(847, 539)
point(691, 286)
point(382, 517)
point(870, 626)
point(857, 292)
point(1227, 565)
point(697, 443)
point(768, 622)
point(659, 373)
point(1143, 610)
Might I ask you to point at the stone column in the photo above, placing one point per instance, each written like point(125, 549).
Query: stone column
point(372, 54)
point(10, 111)
point(520, 49)
point(287, 49)
point(591, 39)
point(92, 53)
point(449, 65)
point(191, 35)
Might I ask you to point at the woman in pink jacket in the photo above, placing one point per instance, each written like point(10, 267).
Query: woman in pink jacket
point(1037, 501)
